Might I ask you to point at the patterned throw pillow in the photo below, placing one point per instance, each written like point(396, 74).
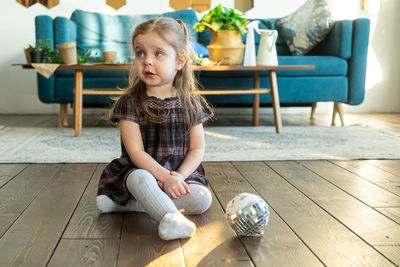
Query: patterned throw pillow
point(306, 27)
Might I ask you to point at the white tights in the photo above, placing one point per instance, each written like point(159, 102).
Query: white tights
point(151, 199)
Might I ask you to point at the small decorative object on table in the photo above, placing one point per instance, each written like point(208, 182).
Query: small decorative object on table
point(27, 56)
point(247, 214)
point(226, 45)
point(110, 57)
point(68, 53)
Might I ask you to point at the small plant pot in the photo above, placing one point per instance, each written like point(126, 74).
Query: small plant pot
point(68, 53)
point(27, 56)
point(36, 56)
point(110, 57)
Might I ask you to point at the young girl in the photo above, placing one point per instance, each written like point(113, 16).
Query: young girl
point(160, 120)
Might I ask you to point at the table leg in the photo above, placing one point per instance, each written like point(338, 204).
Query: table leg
point(63, 115)
point(256, 98)
point(275, 101)
point(78, 102)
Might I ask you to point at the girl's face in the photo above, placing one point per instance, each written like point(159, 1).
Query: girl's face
point(156, 61)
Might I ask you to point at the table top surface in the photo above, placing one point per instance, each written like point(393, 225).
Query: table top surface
point(104, 66)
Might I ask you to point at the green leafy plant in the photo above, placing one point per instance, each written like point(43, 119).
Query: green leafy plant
point(52, 56)
point(221, 18)
point(40, 45)
point(86, 56)
point(33, 48)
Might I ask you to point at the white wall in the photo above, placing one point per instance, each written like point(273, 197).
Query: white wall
point(18, 90)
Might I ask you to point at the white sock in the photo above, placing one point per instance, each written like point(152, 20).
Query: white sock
point(106, 205)
point(174, 226)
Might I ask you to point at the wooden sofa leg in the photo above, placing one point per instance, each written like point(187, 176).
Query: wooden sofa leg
point(337, 108)
point(63, 115)
point(313, 108)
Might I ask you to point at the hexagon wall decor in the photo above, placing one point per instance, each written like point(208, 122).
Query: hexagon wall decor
point(198, 5)
point(27, 3)
point(180, 4)
point(201, 5)
point(244, 5)
point(49, 3)
point(116, 4)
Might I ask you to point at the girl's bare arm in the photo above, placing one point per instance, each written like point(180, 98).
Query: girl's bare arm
point(196, 151)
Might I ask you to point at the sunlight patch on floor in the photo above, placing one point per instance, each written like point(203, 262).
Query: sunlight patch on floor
point(223, 136)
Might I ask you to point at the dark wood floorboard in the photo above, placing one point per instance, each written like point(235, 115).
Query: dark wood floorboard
point(392, 166)
point(373, 227)
point(141, 246)
point(31, 239)
point(334, 213)
point(391, 212)
point(9, 171)
point(361, 189)
point(373, 174)
point(26, 120)
point(18, 194)
point(86, 252)
point(391, 252)
point(87, 221)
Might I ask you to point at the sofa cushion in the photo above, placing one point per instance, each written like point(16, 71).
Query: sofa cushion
point(306, 27)
point(101, 32)
point(199, 49)
point(324, 66)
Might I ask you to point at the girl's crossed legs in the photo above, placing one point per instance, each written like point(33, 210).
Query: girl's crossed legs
point(151, 199)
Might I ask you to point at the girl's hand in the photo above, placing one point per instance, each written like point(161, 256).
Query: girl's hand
point(175, 187)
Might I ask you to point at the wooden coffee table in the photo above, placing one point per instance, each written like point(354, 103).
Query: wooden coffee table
point(79, 91)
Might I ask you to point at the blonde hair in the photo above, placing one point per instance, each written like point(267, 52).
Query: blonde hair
point(175, 33)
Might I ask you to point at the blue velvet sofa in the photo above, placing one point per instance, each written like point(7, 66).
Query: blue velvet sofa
point(340, 61)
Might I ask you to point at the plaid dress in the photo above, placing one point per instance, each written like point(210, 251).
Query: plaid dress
point(167, 142)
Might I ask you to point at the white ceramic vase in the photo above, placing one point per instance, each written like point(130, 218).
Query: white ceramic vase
point(250, 49)
point(267, 55)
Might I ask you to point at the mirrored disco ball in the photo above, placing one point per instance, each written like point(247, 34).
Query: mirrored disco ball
point(247, 214)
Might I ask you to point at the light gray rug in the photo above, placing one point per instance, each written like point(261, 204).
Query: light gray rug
point(56, 145)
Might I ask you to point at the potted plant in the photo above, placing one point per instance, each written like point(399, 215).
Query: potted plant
point(226, 26)
point(35, 52)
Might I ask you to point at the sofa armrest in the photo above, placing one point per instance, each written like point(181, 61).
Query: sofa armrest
point(44, 29)
point(358, 61)
point(338, 42)
point(65, 30)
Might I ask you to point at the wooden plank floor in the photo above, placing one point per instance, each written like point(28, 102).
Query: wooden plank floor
point(323, 212)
